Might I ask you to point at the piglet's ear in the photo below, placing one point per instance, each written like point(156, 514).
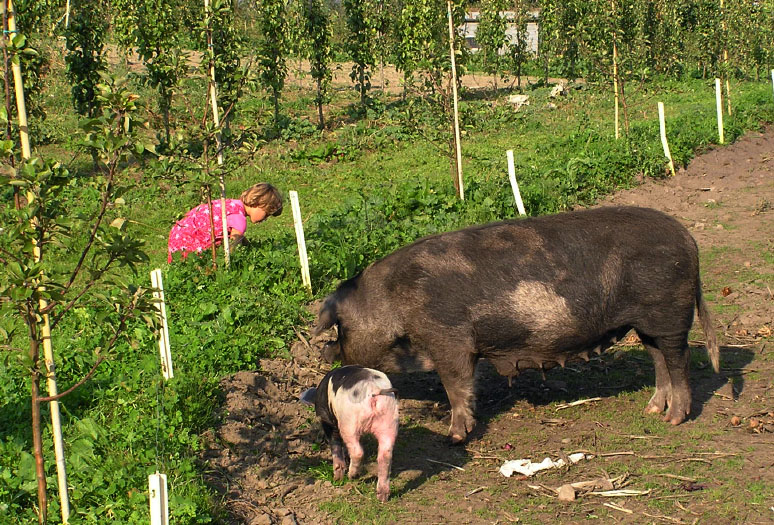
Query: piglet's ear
point(308, 396)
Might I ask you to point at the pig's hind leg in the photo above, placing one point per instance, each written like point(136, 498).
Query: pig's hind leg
point(663, 394)
point(337, 450)
point(671, 357)
point(457, 378)
point(386, 438)
point(351, 438)
point(677, 355)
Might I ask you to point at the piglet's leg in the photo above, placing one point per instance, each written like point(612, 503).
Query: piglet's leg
point(384, 460)
point(352, 440)
point(337, 450)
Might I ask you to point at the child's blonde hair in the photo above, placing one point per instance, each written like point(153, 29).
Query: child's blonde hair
point(263, 195)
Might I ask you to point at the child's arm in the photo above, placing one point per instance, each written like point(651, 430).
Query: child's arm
point(237, 223)
point(235, 238)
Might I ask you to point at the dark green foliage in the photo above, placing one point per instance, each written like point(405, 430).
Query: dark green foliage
point(360, 43)
point(85, 43)
point(317, 27)
point(656, 38)
point(491, 36)
point(155, 29)
point(227, 54)
point(273, 50)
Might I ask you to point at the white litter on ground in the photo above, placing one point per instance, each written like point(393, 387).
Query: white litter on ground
point(528, 468)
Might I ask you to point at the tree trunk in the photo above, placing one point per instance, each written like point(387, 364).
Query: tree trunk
point(37, 438)
point(320, 104)
point(362, 86)
point(275, 97)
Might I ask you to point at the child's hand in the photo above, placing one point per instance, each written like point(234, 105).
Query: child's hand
point(235, 239)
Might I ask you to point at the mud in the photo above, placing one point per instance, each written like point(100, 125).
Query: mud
point(266, 457)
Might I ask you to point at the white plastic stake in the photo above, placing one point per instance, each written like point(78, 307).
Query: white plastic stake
point(719, 105)
point(514, 184)
point(662, 125)
point(159, 504)
point(772, 79)
point(305, 278)
point(164, 352)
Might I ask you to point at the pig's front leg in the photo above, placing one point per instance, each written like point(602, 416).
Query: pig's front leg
point(337, 450)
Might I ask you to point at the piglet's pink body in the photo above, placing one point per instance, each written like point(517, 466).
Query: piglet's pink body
point(352, 401)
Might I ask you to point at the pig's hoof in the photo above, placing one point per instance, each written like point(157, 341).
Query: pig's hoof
point(675, 416)
point(338, 473)
point(457, 439)
point(383, 495)
point(653, 409)
point(675, 420)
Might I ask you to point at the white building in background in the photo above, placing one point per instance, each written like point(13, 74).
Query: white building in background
point(470, 27)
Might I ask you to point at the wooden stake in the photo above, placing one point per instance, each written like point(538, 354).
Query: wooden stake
point(615, 88)
point(719, 106)
point(514, 184)
point(48, 353)
point(457, 144)
point(662, 126)
point(305, 278)
point(164, 351)
point(615, 74)
point(213, 89)
point(725, 55)
point(159, 499)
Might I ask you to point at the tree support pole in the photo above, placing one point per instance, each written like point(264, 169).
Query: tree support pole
point(213, 89)
point(457, 145)
point(45, 333)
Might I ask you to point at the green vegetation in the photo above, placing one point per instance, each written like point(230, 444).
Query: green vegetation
point(375, 179)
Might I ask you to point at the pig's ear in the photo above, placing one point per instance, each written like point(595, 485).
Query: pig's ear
point(308, 396)
point(331, 352)
point(326, 317)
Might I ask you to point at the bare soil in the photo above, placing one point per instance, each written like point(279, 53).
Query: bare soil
point(266, 455)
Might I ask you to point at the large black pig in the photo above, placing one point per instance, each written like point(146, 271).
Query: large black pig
point(524, 294)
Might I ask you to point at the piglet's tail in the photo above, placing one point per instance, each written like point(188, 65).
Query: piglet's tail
point(386, 392)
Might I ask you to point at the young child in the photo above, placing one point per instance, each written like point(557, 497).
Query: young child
point(192, 232)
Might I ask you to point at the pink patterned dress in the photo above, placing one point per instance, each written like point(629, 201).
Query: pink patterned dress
point(192, 232)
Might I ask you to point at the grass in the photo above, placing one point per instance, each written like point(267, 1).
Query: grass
point(366, 187)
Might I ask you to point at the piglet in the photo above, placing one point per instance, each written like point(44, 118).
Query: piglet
point(351, 401)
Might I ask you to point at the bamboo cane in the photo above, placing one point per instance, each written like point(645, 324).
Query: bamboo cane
point(725, 55)
point(213, 89)
point(45, 332)
point(457, 144)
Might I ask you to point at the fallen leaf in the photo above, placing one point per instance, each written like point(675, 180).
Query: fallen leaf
point(726, 291)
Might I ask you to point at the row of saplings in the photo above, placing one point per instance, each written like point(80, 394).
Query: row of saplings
point(522, 293)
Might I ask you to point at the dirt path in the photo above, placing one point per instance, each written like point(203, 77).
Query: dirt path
point(268, 459)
